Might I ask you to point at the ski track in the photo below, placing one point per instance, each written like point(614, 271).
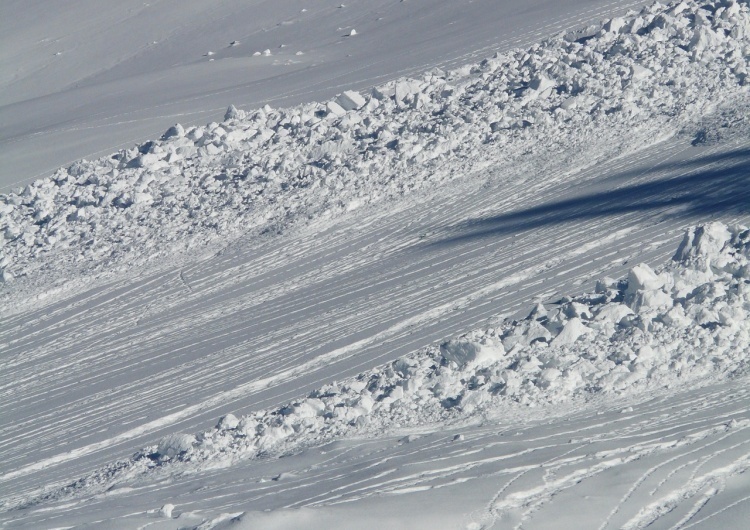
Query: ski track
point(127, 354)
point(96, 374)
point(538, 467)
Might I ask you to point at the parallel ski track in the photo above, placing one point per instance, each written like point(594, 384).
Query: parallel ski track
point(303, 309)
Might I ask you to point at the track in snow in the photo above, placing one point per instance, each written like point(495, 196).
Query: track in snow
point(93, 377)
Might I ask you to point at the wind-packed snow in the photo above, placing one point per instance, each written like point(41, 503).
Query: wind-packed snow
point(643, 76)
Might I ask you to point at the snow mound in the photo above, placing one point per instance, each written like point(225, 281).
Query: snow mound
point(644, 75)
point(686, 323)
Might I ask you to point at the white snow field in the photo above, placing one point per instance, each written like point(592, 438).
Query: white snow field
point(508, 294)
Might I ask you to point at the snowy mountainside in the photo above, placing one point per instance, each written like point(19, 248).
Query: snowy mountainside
point(683, 324)
point(645, 76)
point(308, 275)
point(686, 323)
point(79, 82)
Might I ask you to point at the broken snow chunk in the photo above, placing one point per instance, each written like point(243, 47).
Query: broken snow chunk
point(227, 422)
point(176, 131)
point(334, 109)
point(702, 242)
point(404, 90)
point(615, 25)
point(548, 377)
point(149, 160)
point(569, 103)
point(613, 312)
point(233, 113)
point(571, 332)
point(166, 510)
point(309, 408)
point(247, 426)
point(467, 353)
point(643, 277)
point(656, 299)
point(142, 198)
point(539, 311)
point(351, 100)
point(542, 84)
point(638, 72)
point(175, 445)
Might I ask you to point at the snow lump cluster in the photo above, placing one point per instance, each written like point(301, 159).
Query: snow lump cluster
point(685, 323)
point(643, 75)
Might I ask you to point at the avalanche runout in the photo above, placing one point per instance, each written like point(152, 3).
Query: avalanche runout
point(648, 74)
point(687, 322)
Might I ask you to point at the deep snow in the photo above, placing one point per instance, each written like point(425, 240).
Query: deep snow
point(241, 266)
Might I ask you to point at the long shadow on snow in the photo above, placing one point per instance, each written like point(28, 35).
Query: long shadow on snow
point(698, 195)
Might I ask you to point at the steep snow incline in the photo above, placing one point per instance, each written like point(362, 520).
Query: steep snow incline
point(685, 325)
point(240, 266)
point(99, 74)
point(640, 78)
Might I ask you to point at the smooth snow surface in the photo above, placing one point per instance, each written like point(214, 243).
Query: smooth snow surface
point(511, 294)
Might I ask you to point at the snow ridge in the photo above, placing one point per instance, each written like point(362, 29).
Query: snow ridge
point(684, 323)
point(646, 75)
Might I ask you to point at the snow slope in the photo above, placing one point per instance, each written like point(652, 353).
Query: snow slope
point(102, 74)
point(605, 146)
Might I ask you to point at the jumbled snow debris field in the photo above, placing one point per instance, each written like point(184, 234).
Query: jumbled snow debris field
point(687, 322)
point(644, 76)
point(166, 345)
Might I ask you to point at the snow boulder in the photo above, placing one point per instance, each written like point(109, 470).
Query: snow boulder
point(571, 332)
point(174, 445)
point(642, 278)
point(334, 109)
point(701, 242)
point(351, 100)
point(176, 131)
point(466, 353)
point(227, 422)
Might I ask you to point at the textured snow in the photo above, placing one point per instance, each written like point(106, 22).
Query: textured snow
point(509, 424)
point(259, 171)
point(605, 342)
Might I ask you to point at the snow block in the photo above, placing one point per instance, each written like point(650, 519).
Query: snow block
point(334, 109)
point(638, 72)
point(229, 421)
point(468, 353)
point(351, 100)
point(233, 113)
point(702, 241)
point(643, 277)
point(174, 445)
point(573, 329)
point(177, 131)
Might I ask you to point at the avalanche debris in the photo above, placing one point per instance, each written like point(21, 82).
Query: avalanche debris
point(649, 73)
point(687, 322)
